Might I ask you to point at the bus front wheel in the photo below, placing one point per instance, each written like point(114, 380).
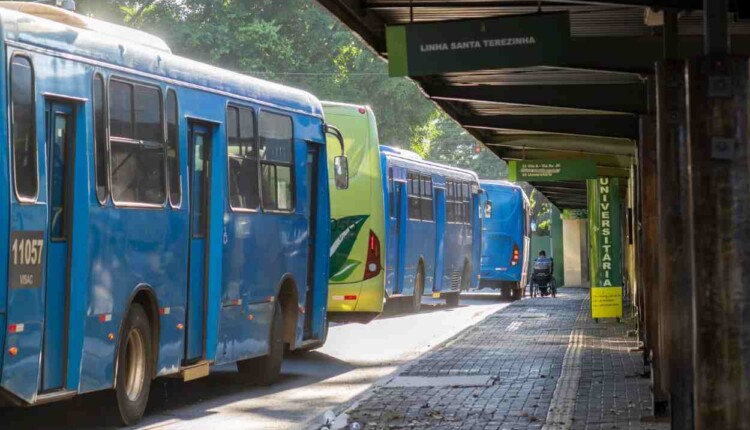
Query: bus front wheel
point(134, 367)
point(265, 370)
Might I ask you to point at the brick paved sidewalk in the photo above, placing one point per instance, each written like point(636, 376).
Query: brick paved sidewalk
point(540, 363)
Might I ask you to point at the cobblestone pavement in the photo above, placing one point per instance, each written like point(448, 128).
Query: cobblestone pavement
point(540, 363)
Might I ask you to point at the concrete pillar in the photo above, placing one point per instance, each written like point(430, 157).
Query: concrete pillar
point(650, 268)
point(718, 159)
point(558, 253)
point(675, 266)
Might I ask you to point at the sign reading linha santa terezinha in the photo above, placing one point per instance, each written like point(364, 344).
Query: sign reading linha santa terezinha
point(476, 44)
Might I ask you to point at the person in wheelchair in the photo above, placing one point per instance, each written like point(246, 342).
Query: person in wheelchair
point(542, 280)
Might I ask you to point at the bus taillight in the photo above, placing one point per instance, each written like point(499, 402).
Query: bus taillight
point(516, 255)
point(372, 269)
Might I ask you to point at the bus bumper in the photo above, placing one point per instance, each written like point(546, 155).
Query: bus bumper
point(366, 296)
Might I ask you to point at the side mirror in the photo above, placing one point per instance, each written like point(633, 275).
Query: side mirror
point(340, 163)
point(341, 172)
point(488, 209)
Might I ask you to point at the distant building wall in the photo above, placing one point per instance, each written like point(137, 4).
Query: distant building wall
point(558, 253)
point(573, 243)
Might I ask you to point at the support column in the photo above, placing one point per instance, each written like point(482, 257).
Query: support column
point(674, 253)
point(720, 226)
point(650, 247)
point(718, 159)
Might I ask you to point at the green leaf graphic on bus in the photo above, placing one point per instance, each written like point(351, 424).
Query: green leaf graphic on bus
point(344, 232)
point(345, 271)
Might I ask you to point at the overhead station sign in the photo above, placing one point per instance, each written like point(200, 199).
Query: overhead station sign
point(422, 49)
point(551, 170)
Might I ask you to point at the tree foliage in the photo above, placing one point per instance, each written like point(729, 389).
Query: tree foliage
point(296, 42)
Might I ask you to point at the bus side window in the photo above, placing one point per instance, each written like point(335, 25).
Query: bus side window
point(450, 191)
point(243, 159)
point(137, 146)
point(427, 209)
point(414, 200)
point(100, 139)
point(466, 203)
point(173, 150)
point(25, 168)
point(276, 161)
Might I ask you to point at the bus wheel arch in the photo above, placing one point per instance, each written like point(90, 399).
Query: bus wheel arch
point(288, 298)
point(143, 295)
point(146, 297)
point(136, 356)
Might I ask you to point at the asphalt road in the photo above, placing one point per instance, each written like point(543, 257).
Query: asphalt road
point(355, 357)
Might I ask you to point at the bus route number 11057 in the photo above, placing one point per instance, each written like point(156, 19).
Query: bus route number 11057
point(26, 257)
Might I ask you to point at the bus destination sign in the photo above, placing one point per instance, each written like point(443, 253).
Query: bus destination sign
point(551, 170)
point(477, 44)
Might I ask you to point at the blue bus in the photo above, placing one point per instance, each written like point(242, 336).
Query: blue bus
point(432, 228)
point(162, 216)
point(506, 238)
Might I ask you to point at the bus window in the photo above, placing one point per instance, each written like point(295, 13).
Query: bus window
point(466, 203)
point(243, 159)
point(414, 200)
point(426, 204)
point(276, 146)
point(450, 211)
point(100, 139)
point(25, 171)
point(173, 150)
point(136, 144)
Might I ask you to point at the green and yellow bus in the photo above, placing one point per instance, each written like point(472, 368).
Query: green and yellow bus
point(357, 277)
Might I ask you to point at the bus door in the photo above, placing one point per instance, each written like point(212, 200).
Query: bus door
point(59, 138)
point(313, 151)
point(440, 243)
point(200, 172)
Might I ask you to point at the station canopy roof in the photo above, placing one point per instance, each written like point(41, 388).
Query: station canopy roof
point(586, 108)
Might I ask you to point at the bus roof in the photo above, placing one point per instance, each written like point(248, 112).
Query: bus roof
point(413, 158)
point(132, 52)
point(503, 184)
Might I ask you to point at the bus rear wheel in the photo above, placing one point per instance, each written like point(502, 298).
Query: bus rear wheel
point(416, 304)
point(265, 370)
point(134, 367)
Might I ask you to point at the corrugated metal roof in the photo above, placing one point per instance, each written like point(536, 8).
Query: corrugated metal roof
point(594, 26)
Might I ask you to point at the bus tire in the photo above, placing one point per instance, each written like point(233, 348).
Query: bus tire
point(416, 303)
point(134, 367)
point(265, 370)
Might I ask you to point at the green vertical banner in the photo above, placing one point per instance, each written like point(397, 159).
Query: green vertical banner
point(605, 247)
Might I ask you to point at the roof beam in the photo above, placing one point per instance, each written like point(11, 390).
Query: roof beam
point(581, 145)
point(620, 126)
point(601, 160)
point(679, 4)
point(676, 4)
point(625, 98)
point(635, 54)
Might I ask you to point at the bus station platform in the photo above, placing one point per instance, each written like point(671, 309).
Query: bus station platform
point(540, 363)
